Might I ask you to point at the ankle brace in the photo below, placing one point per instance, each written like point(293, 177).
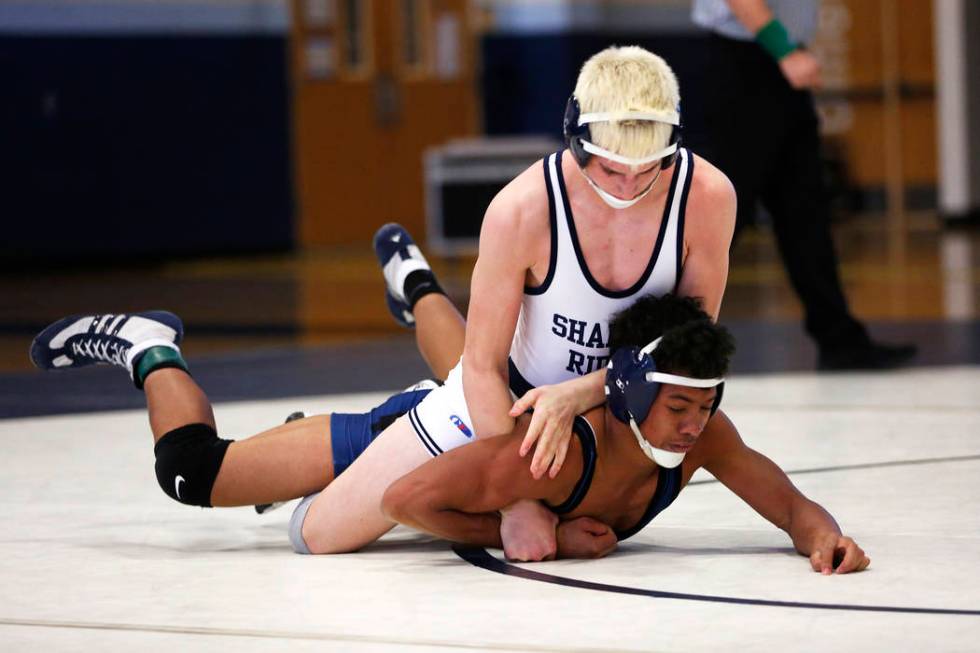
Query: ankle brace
point(156, 358)
point(418, 284)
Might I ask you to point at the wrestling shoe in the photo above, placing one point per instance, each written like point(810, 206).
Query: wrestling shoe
point(407, 274)
point(111, 339)
point(868, 355)
point(263, 508)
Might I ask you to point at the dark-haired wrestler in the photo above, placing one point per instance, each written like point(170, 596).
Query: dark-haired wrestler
point(620, 478)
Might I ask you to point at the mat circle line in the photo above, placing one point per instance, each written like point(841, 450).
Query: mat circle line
point(479, 557)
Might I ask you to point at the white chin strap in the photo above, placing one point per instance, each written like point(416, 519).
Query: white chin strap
point(614, 201)
point(664, 458)
point(669, 117)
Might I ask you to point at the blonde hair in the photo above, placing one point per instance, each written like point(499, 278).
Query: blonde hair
point(628, 79)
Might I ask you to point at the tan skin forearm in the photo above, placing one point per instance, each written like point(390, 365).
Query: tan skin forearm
point(457, 496)
point(807, 521)
point(763, 485)
point(462, 528)
point(496, 291)
point(425, 513)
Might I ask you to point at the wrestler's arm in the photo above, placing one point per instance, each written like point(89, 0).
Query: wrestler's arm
point(457, 496)
point(514, 246)
point(766, 488)
point(555, 406)
point(709, 225)
point(496, 291)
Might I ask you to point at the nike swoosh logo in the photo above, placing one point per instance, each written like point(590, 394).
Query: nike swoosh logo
point(177, 482)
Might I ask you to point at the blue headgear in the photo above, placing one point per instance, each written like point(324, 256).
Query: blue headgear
point(579, 139)
point(632, 385)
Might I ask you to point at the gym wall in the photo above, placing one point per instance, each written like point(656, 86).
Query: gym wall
point(135, 129)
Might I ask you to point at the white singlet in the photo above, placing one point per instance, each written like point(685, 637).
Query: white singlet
point(563, 328)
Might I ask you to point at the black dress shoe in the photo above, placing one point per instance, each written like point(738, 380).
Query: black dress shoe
point(867, 356)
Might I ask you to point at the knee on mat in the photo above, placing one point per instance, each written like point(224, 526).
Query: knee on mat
point(326, 545)
point(187, 463)
point(305, 539)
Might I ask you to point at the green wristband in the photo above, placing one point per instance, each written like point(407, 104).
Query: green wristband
point(775, 40)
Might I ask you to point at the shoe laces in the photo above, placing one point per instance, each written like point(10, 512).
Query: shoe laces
point(101, 349)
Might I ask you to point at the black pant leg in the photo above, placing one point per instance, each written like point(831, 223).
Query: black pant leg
point(764, 135)
point(796, 197)
point(729, 137)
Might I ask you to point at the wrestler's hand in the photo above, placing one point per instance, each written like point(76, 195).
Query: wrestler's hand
point(527, 530)
point(801, 69)
point(839, 554)
point(585, 537)
point(555, 407)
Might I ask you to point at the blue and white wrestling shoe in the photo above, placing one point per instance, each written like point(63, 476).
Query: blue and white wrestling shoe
point(399, 257)
point(113, 339)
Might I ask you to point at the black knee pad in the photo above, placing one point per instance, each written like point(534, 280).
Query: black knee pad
point(188, 460)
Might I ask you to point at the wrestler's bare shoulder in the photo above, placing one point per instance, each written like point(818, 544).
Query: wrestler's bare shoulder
point(522, 205)
point(712, 196)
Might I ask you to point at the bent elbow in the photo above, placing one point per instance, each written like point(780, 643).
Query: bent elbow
point(402, 500)
point(481, 368)
point(393, 503)
point(411, 503)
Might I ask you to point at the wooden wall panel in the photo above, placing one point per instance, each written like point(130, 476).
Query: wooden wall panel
point(360, 134)
point(915, 34)
point(851, 44)
point(919, 152)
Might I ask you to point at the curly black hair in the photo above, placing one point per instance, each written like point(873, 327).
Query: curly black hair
point(692, 344)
